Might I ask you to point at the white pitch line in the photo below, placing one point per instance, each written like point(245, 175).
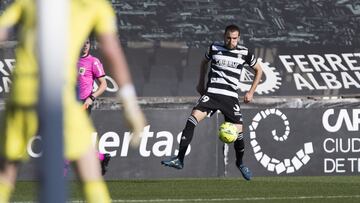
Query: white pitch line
point(238, 199)
point(222, 199)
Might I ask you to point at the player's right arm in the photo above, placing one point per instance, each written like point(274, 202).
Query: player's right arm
point(203, 70)
point(9, 19)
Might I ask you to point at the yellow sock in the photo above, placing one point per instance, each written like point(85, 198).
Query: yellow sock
point(5, 192)
point(96, 192)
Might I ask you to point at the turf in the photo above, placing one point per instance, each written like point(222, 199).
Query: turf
point(261, 189)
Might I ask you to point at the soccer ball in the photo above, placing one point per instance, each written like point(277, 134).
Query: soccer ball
point(228, 132)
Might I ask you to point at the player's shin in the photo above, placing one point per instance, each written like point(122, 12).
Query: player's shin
point(96, 192)
point(5, 191)
point(239, 146)
point(187, 136)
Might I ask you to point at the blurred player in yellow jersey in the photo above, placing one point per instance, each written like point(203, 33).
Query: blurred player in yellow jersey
point(20, 121)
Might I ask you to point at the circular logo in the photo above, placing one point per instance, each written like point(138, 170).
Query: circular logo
point(272, 164)
point(270, 84)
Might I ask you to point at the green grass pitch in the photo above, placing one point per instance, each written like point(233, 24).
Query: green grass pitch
point(329, 189)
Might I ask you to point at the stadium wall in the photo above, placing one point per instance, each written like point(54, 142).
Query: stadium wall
point(292, 137)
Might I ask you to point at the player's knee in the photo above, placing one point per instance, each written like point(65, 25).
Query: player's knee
point(191, 122)
point(199, 115)
point(188, 131)
point(240, 136)
point(6, 164)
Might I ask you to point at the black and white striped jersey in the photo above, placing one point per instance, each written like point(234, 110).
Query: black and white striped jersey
point(226, 67)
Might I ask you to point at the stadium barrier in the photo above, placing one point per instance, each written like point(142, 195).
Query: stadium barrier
point(283, 137)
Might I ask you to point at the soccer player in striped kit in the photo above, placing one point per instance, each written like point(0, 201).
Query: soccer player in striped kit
point(220, 93)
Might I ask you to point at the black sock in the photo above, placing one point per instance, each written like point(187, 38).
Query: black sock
point(186, 137)
point(239, 146)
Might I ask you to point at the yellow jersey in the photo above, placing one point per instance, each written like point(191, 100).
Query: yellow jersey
point(20, 124)
point(86, 16)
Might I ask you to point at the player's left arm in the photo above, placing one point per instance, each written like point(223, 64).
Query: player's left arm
point(112, 50)
point(99, 74)
point(102, 86)
point(258, 73)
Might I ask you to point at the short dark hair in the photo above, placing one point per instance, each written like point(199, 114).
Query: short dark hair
point(232, 28)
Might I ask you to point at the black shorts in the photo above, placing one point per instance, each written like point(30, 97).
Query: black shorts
point(229, 107)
